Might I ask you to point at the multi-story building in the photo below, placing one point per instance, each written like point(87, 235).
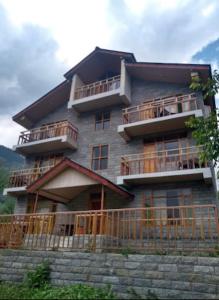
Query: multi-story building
point(112, 135)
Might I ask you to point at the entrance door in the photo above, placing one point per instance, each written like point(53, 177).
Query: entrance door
point(150, 158)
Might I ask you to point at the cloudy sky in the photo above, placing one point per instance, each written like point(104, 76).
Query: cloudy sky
point(41, 39)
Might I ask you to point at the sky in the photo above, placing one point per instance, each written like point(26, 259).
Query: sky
point(40, 40)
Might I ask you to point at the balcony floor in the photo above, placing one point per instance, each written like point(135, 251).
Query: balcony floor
point(168, 176)
point(98, 101)
point(54, 143)
point(157, 125)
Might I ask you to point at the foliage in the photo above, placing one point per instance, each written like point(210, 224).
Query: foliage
point(205, 130)
point(75, 292)
point(6, 203)
point(206, 133)
point(210, 88)
point(127, 251)
point(12, 291)
point(39, 277)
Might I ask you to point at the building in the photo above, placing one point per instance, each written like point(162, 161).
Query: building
point(112, 135)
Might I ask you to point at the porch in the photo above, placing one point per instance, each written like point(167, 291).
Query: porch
point(174, 228)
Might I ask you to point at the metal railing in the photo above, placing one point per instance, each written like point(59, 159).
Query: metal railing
point(48, 131)
point(160, 108)
point(98, 87)
point(161, 161)
point(189, 228)
point(25, 177)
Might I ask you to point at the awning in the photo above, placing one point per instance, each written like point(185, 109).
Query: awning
point(68, 179)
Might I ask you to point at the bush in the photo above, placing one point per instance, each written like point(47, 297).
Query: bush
point(39, 277)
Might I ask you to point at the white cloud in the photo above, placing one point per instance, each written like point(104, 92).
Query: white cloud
point(155, 30)
point(9, 131)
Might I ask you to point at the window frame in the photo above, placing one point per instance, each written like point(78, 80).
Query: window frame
point(100, 157)
point(102, 121)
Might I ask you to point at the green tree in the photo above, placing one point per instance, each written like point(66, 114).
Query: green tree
point(6, 203)
point(205, 130)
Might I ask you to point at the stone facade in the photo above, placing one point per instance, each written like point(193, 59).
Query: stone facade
point(169, 277)
point(118, 147)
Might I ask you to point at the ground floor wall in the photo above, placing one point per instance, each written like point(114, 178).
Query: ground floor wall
point(168, 277)
point(187, 193)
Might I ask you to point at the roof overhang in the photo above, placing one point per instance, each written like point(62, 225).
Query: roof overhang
point(170, 73)
point(43, 106)
point(97, 62)
point(70, 176)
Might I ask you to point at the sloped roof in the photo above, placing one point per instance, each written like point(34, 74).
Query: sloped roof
point(68, 163)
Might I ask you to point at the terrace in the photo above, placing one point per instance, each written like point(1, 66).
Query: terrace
point(54, 136)
point(159, 115)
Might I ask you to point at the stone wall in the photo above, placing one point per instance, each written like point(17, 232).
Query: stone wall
point(172, 277)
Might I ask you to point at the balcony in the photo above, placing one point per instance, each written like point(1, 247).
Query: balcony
point(164, 166)
point(100, 94)
point(157, 116)
point(20, 179)
point(56, 136)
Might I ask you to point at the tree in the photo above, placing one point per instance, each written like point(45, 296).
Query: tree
point(205, 130)
point(6, 203)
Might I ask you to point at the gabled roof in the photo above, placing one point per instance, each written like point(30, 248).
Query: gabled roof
point(67, 163)
point(93, 66)
point(44, 105)
point(128, 56)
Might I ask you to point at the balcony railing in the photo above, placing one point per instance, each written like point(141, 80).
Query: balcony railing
point(98, 87)
point(159, 108)
point(164, 228)
point(25, 177)
point(49, 131)
point(162, 161)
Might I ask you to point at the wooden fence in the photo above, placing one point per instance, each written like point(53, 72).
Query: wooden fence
point(98, 87)
point(25, 177)
point(161, 161)
point(189, 228)
point(49, 131)
point(160, 108)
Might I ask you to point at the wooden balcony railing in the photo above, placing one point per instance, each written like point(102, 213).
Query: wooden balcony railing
point(159, 108)
point(49, 131)
point(25, 177)
point(98, 87)
point(161, 161)
point(193, 227)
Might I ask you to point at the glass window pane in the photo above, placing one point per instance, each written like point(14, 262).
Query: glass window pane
point(106, 124)
point(98, 117)
point(96, 152)
point(104, 151)
point(95, 164)
point(103, 164)
point(106, 115)
point(99, 125)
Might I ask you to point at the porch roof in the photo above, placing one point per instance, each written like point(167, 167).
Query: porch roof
point(85, 177)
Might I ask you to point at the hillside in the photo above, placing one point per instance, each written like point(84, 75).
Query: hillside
point(10, 159)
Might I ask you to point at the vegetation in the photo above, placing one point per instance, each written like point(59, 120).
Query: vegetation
point(39, 277)
point(12, 291)
point(36, 285)
point(205, 130)
point(6, 203)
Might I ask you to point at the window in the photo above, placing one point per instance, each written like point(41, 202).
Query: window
point(102, 120)
point(172, 201)
point(100, 157)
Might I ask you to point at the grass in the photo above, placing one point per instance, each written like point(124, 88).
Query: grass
point(20, 291)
